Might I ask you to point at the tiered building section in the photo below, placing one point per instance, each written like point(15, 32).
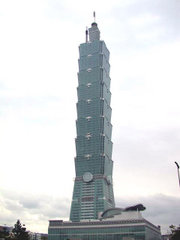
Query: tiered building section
point(93, 189)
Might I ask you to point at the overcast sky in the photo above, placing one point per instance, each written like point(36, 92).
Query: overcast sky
point(39, 42)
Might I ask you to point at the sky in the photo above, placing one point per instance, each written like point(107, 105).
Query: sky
point(39, 42)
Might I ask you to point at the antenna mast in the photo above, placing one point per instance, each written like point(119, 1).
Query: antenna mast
point(86, 34)
point(94, 15)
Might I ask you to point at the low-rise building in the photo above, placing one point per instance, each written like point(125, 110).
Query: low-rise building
point(128, 225)
point(38, 236)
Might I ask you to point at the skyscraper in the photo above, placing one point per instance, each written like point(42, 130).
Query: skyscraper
point(93, 213)
point(93, 189)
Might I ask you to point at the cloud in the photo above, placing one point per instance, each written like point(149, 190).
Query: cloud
point(40, 110)
point(28, 207)
point(161, 209)
point(142, 24)
point(144, 160)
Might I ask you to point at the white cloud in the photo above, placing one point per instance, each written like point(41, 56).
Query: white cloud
point(161, 209)
point(32, 209)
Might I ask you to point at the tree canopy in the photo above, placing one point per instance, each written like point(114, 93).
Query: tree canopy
point(175, 232)
point(19, 232)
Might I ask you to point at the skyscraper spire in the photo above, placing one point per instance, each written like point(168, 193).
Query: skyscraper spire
point(86, 34)
point(94, 15)
point(94, 33)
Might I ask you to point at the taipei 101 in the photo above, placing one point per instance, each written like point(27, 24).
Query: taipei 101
point(89, 120)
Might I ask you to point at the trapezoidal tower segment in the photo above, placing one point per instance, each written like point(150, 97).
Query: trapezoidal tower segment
point(93, 189)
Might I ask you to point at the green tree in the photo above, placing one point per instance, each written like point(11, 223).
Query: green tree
point(175, 232)
point(19, 232)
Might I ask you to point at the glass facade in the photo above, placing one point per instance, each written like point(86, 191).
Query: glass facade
point(110, 230)
point(93, 190)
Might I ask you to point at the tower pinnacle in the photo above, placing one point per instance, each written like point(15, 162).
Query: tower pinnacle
point(94, 33)
point(94, 15)
point(86, 34)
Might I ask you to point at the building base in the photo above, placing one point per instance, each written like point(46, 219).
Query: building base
point(125, 226)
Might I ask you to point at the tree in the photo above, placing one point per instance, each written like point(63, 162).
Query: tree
point(175, 232)
point(19, 232)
